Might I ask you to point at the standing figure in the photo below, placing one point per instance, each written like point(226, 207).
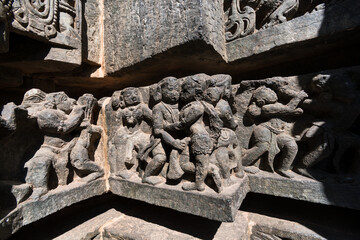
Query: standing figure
point(227, 150)
point(165, 118)
point(129, 139)
point(270, 136)
point(79, 156)
point(57, 120)
point(335, 104)
point(201, 143)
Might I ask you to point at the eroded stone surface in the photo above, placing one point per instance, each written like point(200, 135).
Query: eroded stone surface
point(208, 204)
point(186, 143)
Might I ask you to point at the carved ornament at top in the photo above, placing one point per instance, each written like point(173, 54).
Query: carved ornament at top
point(245, 17)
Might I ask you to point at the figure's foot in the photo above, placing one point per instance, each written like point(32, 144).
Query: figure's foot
point(251, 169)
point(287, 173)
point(125, 174)
point(153, 180)
point(38, 192)
point(193, 186)
point(175, 172)
point(21, 192)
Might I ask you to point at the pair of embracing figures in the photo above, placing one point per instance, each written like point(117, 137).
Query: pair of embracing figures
point(192, 119)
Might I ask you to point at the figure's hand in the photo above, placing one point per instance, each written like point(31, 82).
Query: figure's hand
point(302, 94)
point(298, 111)
point(79, 108)
point(179, 144)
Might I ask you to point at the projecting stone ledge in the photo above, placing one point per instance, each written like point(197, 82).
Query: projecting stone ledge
point(209, 204)
point(329, 191)
point(57, 199)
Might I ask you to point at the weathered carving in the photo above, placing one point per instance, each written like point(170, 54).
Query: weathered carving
point(67, 129)
point(191, 135)
point(269, 133)
point(335, 107)
point(130, 137)
point(48, 20)
point(244, 17)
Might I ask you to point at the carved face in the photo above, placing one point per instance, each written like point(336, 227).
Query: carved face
point(319, 83)
point(64, 103)
point(170, 90)
point(130, 96)
point(264, 95)
point(132, 115)
point(213, 94)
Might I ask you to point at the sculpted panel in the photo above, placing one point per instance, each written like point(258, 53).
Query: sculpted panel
point(54, 21)
point(198, 138)
point(244, 17)
point(201, 130)
point(66, 139)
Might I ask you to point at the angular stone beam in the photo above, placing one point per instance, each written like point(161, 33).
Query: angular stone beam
point(135, 31)
point(209, 204)
point(139, 42)
point(304, 36)
point(33, 210)
point(329, 192)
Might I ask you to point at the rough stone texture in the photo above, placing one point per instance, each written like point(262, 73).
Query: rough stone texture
point(329, 192)
point(208, 204)
point(31, 211)
point(91, 228)
point(334, 19)
point(264, 227)
point(92, 31)
point(331, 22)
point(127, 227)
point(151, 27)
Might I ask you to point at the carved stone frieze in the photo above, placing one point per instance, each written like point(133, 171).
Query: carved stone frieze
point(188, 143)
point(54, 21)
point(244, 17)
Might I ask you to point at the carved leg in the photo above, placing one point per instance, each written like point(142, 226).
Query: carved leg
point(153, 168)
point(215, 173)
point(254, 153)
point(95, 169)
point(38, 175)
point(319, 149)
point(61, 170)
point(124, 155)
point(175, 171)
point(289, 149)
point(185, 163)
point(201, 171)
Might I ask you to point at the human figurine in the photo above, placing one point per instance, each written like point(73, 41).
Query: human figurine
point(165, 117)
point(59, 118)
point(227, 147)
point(201, 143)
point(79, 155)
point(130, 138)
point(269, 135)
point(335, 105)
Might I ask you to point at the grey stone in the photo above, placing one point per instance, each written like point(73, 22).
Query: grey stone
point(161, 25)
point(208, 204)
point(329, 192)
point(91, 228)
point(127, 227)
point(92, 29)
point(336, 18)
point(33, 210)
